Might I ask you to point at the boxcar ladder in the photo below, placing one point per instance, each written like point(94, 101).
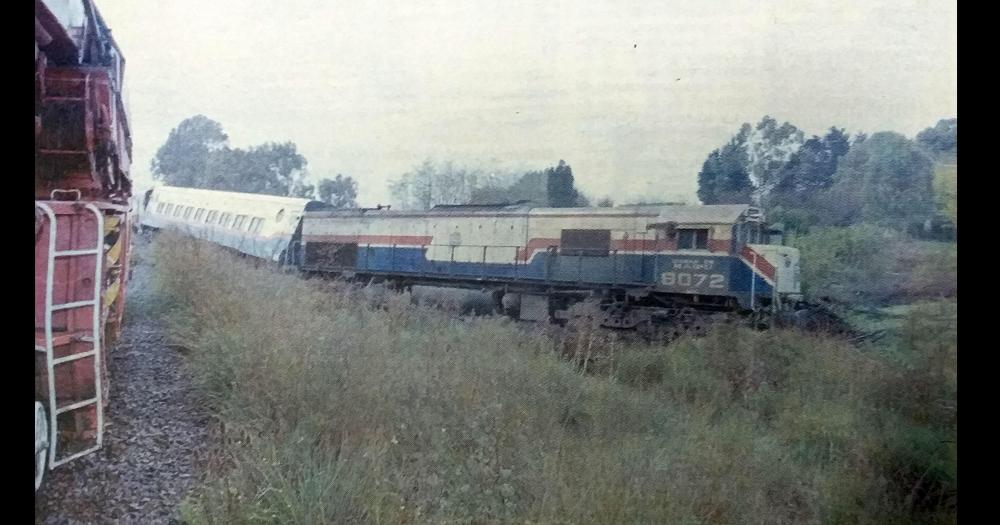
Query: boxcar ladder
point(91, 335)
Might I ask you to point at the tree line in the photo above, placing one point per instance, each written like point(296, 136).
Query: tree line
point(838, 179)
point(197, 154)
point(431, 184)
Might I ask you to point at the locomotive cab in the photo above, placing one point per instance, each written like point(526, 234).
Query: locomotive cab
point(726, 251)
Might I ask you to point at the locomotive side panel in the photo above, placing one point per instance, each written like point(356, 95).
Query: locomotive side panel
point(605, 247)
point(454, 244)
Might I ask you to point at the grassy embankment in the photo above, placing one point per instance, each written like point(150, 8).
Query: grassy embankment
point(338, 410)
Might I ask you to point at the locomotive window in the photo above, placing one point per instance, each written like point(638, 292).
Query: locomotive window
point(692, 239)
point(591, 243)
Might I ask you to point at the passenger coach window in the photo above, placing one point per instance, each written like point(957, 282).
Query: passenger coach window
point(255, 224)
point(187, 212)
point(178, 210)
point(692, 239)
point(591, 243)
point(226, 219)
point(199, 214)
point(238, 223)
point(159, 208)
point(212, 215)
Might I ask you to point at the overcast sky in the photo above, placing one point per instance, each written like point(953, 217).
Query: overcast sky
point(633, 95)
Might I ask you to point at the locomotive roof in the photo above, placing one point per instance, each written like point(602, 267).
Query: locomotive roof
point(685, 214)
point(708, 214)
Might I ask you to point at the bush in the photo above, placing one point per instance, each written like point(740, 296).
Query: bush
point(870, 265)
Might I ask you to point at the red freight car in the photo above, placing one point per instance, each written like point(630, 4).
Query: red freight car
point(82, 190)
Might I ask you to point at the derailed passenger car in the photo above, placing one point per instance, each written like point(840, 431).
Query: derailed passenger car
point(262, 226)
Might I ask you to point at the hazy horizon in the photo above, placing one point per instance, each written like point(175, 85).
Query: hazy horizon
point(632, 97)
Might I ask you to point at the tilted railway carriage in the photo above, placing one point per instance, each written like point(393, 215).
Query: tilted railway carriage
point(642, 263)
point(263, 226)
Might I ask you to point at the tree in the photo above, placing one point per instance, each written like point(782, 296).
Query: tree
point(559, 186)
point(531, 186)
point(768, 147)
point(277, 169)
point(552, 187)
point(271, 169)
point(748, 167)
point(197, 155)
point(723, 178)
point(885, 179)
point(941, 141)
point(339, 192)
point(183, 159)
point(304, 191)
point(431, 184)
point(810, 169)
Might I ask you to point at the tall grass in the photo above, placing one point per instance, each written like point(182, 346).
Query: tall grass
point(341, 409)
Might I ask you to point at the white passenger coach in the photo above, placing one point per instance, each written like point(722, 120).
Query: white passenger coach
point(259, 225)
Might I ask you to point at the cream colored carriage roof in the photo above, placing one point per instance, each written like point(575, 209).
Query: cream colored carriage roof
point(213, 195)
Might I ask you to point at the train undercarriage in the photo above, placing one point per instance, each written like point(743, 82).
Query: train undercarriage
point(654, 315)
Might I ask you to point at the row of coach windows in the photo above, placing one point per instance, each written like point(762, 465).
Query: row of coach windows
point(224, 219)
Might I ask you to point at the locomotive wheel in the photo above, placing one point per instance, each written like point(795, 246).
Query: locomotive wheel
point(41, 443)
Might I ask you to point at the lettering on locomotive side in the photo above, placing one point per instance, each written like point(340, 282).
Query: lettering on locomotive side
point(695, 275)
point(693, 264)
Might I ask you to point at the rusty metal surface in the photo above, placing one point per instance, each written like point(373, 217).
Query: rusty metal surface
point(82, 160)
